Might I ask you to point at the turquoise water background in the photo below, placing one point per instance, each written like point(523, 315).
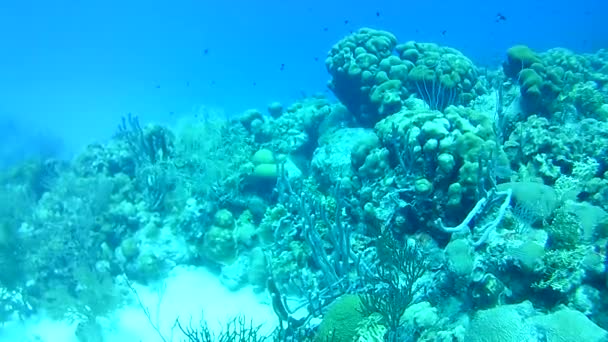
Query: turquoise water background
point(70, 69)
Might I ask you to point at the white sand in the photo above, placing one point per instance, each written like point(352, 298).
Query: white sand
point(189, 293)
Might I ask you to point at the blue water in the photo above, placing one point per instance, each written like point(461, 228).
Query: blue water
point(71, 69)
point(452, 191)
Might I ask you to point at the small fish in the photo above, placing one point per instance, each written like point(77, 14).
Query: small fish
point(444, 32)
point(325, 29)
point(206, 51)
point(500, 17)
point(583, 196)
point(346, 22)
point(377, 14)
point(282, 66)
point(316, 59)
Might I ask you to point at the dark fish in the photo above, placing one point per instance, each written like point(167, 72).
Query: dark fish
point(500, 17)
point(583, 196)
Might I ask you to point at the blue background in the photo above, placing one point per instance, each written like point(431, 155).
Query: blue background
point(71, 69)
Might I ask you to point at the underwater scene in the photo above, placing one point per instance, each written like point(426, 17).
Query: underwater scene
point(418, 194)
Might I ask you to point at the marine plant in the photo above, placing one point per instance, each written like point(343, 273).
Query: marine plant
point(395, 285)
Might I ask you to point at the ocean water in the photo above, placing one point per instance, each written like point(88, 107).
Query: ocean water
point(303, 171)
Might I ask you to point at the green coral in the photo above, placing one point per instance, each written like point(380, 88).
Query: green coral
point(460, 257)
point(148, 266)
point(342, 319)
point(589, 100)
point(568, 325)
point(220, 243)
point(376, 165)
point(540, 80)
point(538, 201)
point(563, 270)
point(373, 76)
point(440, 75)
point(370, 329)
point(529, 255)
point(271, 221)
point(519, 57)
point(354, 62)
point(503, 323)
point(530, 83)
point(565, 230)
point(129, 248)
point(265, 167)
point(387, 97)
point(263, 156)
point(453, 142)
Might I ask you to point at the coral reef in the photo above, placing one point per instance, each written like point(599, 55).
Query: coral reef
point(433, 202)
